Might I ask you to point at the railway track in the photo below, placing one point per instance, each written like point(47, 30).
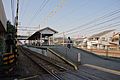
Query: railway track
point(50, 68)
point(55, 70)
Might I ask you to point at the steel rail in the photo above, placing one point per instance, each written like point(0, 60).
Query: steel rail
point(35, 58)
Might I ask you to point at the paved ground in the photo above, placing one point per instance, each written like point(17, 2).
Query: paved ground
point(94, 60)
point(91, 68)
point(103, 67)
point(87, 58)
point(66, 52)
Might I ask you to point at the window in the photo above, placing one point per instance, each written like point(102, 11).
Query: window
point(103, 38)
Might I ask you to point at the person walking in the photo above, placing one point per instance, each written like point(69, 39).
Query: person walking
point(69, 43)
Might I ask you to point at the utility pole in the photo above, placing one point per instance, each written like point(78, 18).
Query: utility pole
point(119, 41)
point(16, 26)
point(29, 41)
point(107, 51)
point(63, 38)
point(53, 39)
point(39, 36)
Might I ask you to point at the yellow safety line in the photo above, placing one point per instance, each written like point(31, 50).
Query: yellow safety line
point(116, 72)
point(76, 68)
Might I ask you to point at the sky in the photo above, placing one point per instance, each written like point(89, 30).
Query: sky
point(69, 16)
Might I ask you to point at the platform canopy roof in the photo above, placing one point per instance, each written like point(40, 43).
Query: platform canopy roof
point(43, 32)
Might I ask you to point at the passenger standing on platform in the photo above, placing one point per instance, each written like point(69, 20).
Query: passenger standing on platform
point(69, 43)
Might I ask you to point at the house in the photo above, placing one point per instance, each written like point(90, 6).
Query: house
point(80, 42)
point(116, 38)
point(58, 40)
point(61, 40)
point(115, 44)
point(100, 40)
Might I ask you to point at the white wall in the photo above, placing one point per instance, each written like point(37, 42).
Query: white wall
point(107, 38)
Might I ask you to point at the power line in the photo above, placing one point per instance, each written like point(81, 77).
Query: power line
point(95, 20)
point(27, 27)
point(22, 4)
point(107, 27)
point(44, 3)
point(102, 22)
point(71, 12)
point(24, 11)
point(99, 19)
point(38, 10)
point(12, 10)
point(54, 11)
point(63, 17)
point(103, 28)
point(96, 24)
point(27, 30)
